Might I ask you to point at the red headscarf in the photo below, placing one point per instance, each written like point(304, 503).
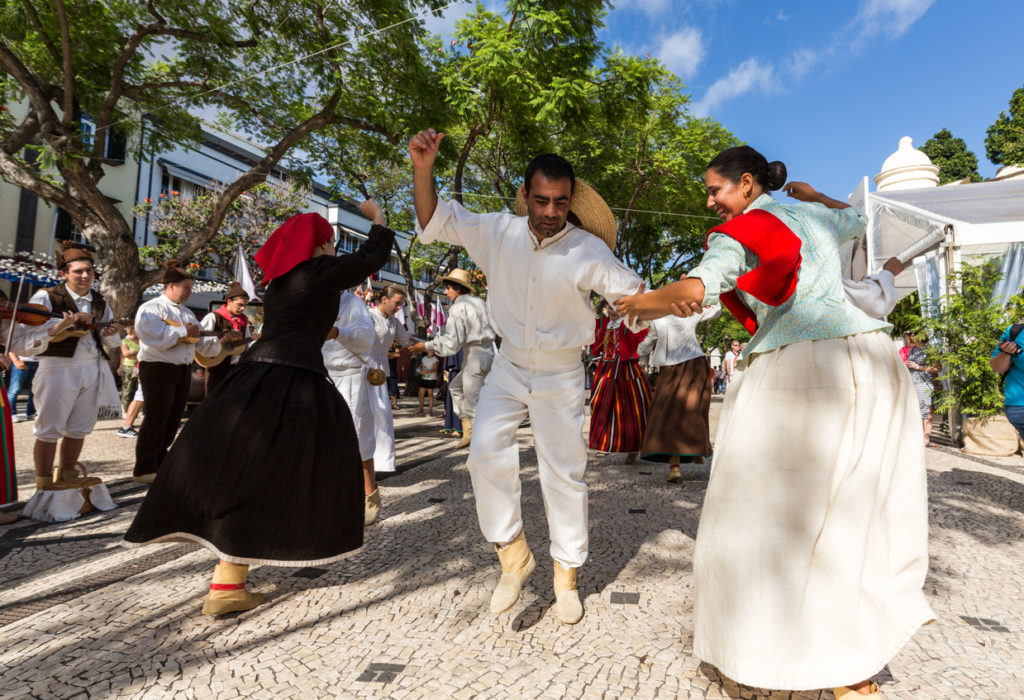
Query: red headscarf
point(292, 243)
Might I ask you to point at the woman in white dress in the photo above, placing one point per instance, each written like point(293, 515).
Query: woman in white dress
point(388, 331)
point(812, 549)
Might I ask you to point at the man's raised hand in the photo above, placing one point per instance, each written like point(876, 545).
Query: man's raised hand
point(423, 148)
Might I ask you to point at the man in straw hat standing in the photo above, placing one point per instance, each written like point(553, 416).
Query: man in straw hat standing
point(469, 329)
point(73, 379)
point(233, 325)
point(541, 266)
point(169, 334)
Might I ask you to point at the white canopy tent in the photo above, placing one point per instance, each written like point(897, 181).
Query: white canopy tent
point(937, 227)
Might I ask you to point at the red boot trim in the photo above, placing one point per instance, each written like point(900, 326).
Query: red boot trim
point(227, 586)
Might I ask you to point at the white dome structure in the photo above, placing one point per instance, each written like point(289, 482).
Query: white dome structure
point(907, 169)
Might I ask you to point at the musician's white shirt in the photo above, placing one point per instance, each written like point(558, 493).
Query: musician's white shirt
point(36, 339)
point(158, 339)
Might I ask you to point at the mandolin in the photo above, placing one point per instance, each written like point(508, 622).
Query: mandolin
point(80, 329)
point(189, 339)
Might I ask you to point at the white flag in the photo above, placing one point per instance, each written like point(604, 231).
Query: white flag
point(243, 276)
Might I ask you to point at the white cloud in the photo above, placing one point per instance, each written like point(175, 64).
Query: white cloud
point(752, 75)
point(889, 17)
point(800, 62)
point(682, 51)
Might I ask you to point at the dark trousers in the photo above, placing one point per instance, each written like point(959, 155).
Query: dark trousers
point(215, 375)
point(165, 390)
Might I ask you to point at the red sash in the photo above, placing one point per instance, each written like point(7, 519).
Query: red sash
point(777, 248)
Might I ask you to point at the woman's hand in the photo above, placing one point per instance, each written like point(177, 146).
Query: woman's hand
point(371, 210)
point(801, 191)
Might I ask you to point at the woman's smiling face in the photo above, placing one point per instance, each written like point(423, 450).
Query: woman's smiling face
point(725, 196)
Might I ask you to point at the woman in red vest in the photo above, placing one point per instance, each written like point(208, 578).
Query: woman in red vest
point(812, 548)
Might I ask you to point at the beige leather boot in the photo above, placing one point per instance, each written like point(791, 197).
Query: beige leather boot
point(467, 433)
point(517, 563)
point(7, 518)
point(227, 591)
point(372, 508)
point(43, 481)
point(846, 693)
point(568, 608)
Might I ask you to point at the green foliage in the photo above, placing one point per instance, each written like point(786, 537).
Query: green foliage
point(951, 156)
point(906, 315)
point(249, 222)
point(719, 332)
point(963, 335)
point(1004, 142)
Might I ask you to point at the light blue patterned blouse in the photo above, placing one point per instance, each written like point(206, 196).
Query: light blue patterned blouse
point(818, 308)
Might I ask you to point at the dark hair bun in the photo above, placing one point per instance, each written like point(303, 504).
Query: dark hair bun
point(776, 175)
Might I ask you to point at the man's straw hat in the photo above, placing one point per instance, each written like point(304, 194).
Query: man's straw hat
point(589, 211)
point(460, 277)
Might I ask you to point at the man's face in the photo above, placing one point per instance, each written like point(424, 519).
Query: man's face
point(547, 204)
point(80, 275)
point(735, 346)
point(179, 292)
point(236, 305)
point(451, 292)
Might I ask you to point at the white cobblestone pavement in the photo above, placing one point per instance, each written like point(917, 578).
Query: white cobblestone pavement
point(406, 616)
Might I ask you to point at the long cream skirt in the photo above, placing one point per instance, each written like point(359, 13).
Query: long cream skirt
point(812, 548)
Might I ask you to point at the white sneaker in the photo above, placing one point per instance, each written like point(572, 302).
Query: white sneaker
point(18, 418)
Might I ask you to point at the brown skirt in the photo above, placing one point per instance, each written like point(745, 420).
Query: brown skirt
point(678, 424)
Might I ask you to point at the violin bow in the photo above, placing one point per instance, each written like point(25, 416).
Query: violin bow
point(14, 315)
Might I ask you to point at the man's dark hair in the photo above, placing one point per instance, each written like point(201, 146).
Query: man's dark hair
point(551, 166)
point(461, 289)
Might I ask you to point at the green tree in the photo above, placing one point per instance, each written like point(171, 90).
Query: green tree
point(952, 157)
point(248, 222)
point(1004, 140)
point(75, 72)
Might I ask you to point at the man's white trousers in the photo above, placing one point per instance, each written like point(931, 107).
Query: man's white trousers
point(547, 387)
point(465, 388)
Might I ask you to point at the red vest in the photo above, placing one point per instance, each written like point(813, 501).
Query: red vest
point(774, 279)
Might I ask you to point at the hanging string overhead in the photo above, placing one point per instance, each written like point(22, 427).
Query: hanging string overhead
point(508, 200)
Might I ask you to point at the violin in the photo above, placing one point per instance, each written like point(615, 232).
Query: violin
point(29, 314)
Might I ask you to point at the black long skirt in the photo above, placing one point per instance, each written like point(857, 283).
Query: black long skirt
point(266, 471)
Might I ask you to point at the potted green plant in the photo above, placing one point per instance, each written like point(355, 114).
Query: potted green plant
point(964, 332)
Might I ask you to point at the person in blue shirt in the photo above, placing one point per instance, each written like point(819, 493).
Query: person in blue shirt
point(1008, 358)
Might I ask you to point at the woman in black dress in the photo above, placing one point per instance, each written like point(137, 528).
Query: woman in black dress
point(267, 469)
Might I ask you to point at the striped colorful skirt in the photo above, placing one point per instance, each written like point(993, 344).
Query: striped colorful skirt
point(619, 404)
point(9, 491)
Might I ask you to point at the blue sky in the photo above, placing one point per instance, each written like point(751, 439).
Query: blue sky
point(830, 87)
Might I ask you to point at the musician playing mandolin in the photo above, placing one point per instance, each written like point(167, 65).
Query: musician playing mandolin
point(74, 378)
point(169, 335)
point(229, 318)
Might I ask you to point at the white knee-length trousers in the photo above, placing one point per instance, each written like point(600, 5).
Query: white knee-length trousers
point(550, 391)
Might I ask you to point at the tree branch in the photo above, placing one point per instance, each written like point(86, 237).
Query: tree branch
point(18, 174)
point(258, 173)
point(24, 132)
point(35, 92)
point(69, 74)
point(33, 17)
